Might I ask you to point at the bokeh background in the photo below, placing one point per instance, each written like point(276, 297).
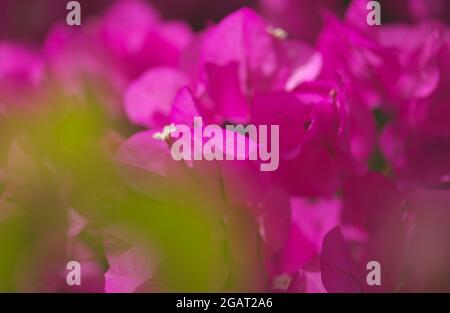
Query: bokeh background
point(364, 115)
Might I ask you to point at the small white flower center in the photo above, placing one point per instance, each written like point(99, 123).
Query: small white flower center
point(165, 134)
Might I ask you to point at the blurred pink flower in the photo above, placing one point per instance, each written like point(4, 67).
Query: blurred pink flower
point(21, 76)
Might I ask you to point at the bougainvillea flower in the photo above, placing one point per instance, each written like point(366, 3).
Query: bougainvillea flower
point(137, 39)
point(311, 126)
point(356, 57)
point(224, 78)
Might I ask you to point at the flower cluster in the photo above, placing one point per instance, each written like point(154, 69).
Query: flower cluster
point(86, 171)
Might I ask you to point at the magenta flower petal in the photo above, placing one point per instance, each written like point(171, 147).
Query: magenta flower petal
point(234, 37)
point(144, 152)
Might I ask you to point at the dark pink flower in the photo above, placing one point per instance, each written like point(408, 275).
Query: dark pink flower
point(313, 149)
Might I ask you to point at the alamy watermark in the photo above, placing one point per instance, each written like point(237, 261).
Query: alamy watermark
point(235, 142)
